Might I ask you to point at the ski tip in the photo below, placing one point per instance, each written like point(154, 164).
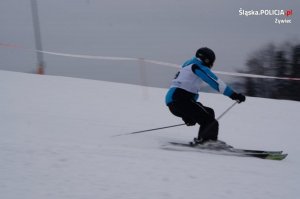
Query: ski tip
point(275, 152)
point(276, 156)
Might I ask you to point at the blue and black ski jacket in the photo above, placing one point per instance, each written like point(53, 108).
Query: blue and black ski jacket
point(187, 83)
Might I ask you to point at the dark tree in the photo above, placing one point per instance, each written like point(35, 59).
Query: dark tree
point(279, 61)
point(295, 72)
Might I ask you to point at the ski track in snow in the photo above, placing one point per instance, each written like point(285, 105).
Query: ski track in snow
point(56, 142)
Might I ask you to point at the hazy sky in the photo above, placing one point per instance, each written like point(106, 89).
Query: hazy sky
point(165, 30)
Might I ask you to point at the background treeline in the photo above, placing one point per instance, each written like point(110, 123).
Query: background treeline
point(273, 60)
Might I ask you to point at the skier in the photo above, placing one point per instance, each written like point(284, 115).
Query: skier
point(182, 96)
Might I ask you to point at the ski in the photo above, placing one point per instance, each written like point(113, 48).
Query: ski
point(263, 154)
point(193, 144)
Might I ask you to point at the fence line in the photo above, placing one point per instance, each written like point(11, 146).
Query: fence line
point(236, 74)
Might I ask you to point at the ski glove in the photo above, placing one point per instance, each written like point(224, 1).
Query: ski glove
point(238, 97)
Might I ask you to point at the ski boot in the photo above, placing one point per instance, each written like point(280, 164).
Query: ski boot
point(210, 144)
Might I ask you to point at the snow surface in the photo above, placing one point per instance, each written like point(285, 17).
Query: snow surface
point(57, 142)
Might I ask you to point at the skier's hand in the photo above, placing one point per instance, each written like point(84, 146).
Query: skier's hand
point(238, 97)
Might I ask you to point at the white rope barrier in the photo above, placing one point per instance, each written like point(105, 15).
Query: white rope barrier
point(3, 45)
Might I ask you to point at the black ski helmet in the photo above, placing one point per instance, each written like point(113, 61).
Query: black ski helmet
point(207, 56)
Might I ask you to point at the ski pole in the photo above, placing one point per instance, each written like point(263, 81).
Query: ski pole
point(218, 118)
point(159, 128)
point(149, 130)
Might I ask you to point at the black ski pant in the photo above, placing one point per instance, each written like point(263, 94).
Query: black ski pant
point(193, 112)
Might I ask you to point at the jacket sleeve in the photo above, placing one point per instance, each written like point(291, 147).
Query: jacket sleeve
point(212, 80)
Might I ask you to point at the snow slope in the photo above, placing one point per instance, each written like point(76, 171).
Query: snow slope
point(57, 142)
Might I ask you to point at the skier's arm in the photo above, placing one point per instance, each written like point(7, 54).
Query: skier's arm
point(212, 80)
